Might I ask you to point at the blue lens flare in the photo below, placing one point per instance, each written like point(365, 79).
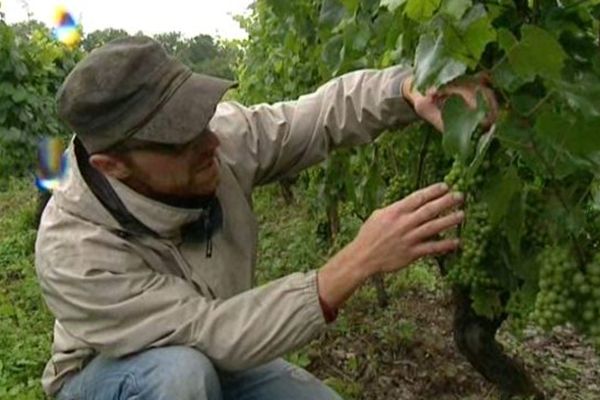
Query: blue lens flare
point(65, 27)
point(52, 164)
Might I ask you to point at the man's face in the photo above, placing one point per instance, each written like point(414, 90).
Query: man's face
point(167, 171)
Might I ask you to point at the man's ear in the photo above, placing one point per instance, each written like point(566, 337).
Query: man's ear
point(110, 165)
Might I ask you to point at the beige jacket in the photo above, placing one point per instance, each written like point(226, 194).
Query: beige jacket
point(116, 294)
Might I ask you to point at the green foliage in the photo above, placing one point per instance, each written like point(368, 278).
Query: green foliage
point(25, 323)
point(201, 53)
point(460, 123)
point(100, 37)
point(534, 173)
point(32, 67)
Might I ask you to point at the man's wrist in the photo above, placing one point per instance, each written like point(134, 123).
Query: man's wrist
point(329, 313)
point(406, 90)
point(340, 277)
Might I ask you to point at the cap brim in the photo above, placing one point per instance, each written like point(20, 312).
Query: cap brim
point(187, 113)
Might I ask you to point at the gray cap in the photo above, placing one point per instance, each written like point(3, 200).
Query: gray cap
point(131, 88)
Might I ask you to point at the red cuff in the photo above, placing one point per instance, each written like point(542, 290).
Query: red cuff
point(329, 313)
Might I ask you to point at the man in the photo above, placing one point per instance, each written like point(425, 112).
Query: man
point(146, 252)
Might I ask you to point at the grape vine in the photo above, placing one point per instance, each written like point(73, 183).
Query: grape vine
point(531, 240)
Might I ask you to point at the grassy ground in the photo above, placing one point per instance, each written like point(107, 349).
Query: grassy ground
point(25, 323)
point(402, 352)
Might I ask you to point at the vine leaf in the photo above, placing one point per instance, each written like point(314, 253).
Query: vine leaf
point(332, 13)
point(514, 223)
point(455, 8)
point(433, 65)
point(478, 31)
point(595, 190)
point(460, 121)
point(332, 56)
point(279, 7)
point(500, 194)
point(421, 10)
point(506, 40)
point(440, 59)
point(391, 5)
point(467, 40)
point(482, 147)
point(575, 143)
point(583, 93)
point(351, 5)
point(504, 77)
point(538, 53)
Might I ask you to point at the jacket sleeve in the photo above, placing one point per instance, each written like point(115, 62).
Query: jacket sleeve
point(266, 142)
point(118, 311)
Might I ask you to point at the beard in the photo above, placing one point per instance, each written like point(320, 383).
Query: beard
point(175, 190)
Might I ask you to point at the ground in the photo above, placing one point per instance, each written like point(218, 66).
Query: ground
point(402, 352)
point(406, 351)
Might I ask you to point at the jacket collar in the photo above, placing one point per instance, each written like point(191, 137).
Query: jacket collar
point(74, 195)
point(162, 218)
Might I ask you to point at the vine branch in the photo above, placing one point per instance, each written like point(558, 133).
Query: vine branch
point(539, 104)
point(422, 158)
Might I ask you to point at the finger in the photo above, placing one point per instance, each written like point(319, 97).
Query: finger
point(431, 112)
point(408, 90)
point(468, 94)
point(432, 209)
point(417, 97)
point(492, 112)
point(417, 199)
point(437, 247)
point(437, 226)
point(484, 78)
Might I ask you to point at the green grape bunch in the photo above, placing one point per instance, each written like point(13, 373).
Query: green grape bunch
point(587, 287)
point(398, 187)
point(537, 229)
point(457, 178)
point(555, 302)
point(468, 268)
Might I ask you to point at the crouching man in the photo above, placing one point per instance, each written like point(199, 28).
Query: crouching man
point(146, 251)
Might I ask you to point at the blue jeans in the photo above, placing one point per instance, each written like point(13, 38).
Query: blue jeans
point(182, 373)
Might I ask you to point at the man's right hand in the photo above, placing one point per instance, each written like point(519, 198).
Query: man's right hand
point(391, 239)
point(399, 234)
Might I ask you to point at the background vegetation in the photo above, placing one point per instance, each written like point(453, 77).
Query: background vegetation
point(530, 243)
point(533, 190)
point(33, 65)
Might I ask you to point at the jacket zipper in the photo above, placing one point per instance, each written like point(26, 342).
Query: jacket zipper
point(208, 233)
point(189, 275)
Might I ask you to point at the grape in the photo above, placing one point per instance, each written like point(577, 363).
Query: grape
point(468, 269)
point(568, 293)
point(559, 277)
point(537, 224)
point(398, 188)
point(590, 293)
point(457, 177)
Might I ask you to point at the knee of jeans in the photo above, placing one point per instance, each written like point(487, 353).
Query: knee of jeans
point(186, 371)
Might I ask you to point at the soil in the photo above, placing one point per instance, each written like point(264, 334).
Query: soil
point(407, 352)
